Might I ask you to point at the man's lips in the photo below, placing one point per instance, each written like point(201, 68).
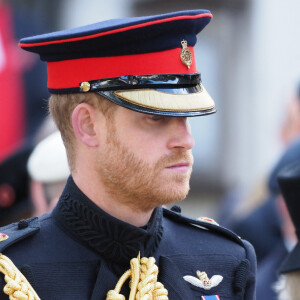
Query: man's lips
point(182, 166)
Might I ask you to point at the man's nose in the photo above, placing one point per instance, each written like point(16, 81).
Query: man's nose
point(181, 136)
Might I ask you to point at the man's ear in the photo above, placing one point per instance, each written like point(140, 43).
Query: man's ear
point(84, 121)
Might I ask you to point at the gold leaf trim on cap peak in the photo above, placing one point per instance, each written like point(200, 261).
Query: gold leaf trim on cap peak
point(157, 100)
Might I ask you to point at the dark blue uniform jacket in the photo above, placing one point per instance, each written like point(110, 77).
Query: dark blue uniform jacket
point(79, 252)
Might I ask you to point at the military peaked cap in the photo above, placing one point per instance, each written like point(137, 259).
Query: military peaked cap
point(146, 64)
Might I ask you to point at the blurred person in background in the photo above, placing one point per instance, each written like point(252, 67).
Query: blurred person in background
point(122, 91)
point(288, 286)
point(32, 178)
point(22, 80)
point(49, 170)
point(269, 228)
point(15, 200)
point(243, 214)
point(271, 241)
point(290, 129)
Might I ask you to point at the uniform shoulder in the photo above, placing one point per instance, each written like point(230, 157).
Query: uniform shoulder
point(12, 278)
point(175, 215)
point(16, 232)
point(220, 242)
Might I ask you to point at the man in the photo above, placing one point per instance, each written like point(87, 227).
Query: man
point(280, 236)
point(121, 94)
point(289, 179)
point(290, 130)
point(15, 202)
point(48, 169)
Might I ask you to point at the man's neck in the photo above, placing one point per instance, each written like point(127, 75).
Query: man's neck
point(96, 192)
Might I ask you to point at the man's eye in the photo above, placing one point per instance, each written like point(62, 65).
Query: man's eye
point(157, 118)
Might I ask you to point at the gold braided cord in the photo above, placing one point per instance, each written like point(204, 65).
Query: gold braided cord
point(17, 287)
point(143, 284)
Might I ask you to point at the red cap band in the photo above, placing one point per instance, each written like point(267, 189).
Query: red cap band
point(70, 73)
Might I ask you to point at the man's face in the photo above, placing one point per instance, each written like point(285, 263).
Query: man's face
point(146, 160)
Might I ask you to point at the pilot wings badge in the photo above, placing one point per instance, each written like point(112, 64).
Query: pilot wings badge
point(203, 281)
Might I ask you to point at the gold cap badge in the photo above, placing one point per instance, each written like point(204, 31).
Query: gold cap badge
point(185, 54)
point(85, 86)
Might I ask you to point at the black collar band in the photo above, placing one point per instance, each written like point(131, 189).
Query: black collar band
point(111, 238)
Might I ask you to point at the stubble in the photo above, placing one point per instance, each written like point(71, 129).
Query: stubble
point(138, 184)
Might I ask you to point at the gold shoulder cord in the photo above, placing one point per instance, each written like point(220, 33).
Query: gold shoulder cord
point(143, 284)
point(17, 287)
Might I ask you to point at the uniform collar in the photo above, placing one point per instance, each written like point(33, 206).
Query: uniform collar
point(112, 238)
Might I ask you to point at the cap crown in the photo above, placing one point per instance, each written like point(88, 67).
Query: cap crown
point(120, 36)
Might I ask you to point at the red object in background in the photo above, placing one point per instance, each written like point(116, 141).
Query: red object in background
point(12, 102)
point(7, 195)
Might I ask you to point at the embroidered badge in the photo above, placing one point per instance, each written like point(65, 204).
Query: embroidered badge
point(208, 220)
point(185, 54)
point(3, 237)
point(212, 297)
point(203, 281)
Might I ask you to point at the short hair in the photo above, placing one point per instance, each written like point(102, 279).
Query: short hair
point(61, 107)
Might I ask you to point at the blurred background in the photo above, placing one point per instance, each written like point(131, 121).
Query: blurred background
point(249, 58)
